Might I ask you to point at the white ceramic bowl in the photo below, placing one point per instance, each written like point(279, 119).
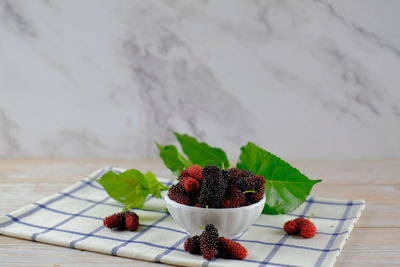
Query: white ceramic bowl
point(231, 223)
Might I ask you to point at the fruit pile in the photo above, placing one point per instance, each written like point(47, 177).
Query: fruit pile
point(210, 245)
point(127, 220)
point(212, 187)
point(300, 226)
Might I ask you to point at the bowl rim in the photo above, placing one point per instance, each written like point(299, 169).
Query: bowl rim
point(179, 205)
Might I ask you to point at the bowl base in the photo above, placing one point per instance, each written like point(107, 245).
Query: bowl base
point(226, 236)
point(236, 236)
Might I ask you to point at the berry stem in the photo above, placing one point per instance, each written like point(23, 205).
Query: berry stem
point(310, 216)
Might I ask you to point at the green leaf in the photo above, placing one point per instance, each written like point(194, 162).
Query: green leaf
point(174, 161)
point(201, 153)
point(131, 187)
point(155, 187)
point(135, 179)
point(286, 188)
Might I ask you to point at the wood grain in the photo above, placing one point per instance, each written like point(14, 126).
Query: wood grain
point(374, 242)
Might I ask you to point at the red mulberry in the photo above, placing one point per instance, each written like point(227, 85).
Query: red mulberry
point(115, 221)
point(301, 226)
point(190, 184)
point(194, 171)
point(290, 227)
point(230, 249)
point(131, 221)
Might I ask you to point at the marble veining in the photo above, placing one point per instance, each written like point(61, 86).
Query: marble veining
point(108, 78)
point(8, 143)
point(16, 21)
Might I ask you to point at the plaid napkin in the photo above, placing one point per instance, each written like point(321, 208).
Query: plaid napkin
point(73, 218)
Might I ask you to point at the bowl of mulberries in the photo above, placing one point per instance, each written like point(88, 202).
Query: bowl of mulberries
point(231, 199)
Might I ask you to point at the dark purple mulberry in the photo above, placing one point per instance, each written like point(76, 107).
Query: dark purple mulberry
point(226, 176)
point(209, 242)
point(255, 183)
point(192, 245)
point(234, 198)
point(241, 184)
point(235, 173)
point(214, 187)
point(178, 194)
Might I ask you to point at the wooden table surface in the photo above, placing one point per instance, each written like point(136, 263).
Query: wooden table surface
point(375, 241)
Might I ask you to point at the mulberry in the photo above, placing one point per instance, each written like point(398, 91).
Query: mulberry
point(178, 194)
point(131, 221)
point(235, 173)
point(256, 184)
point(302, 221)
point(115, 221)
point(214, 187)
point(234, 198)
point(301, 226)
point(194, 171)
point(192, 245)
point(190, 184)
point(290, 227)
point(308, 231)
point(241, 183)
point(230, 249)
point(209, 242)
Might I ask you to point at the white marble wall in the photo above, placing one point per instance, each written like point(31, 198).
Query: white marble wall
point(107, 78)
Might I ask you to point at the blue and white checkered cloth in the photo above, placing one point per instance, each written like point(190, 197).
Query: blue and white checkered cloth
point(74, 218)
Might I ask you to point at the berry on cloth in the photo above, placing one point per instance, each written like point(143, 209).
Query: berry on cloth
point(131, 221)
point(210, 245)
point(192, 245)
point(122, 221)
point(230, 249)
point(115, 221)
point(308, 230)
point(290, 227)
point(302, 221)
point(209, 242)
point(300, 226)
